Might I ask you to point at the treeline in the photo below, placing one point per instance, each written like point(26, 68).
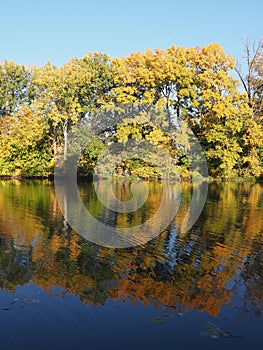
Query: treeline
point(155, 90)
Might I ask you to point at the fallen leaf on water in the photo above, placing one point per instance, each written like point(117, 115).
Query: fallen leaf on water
point(213, 331)
point(31, 300)
point(158, 319)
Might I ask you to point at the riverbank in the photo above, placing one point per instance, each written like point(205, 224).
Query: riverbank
point(91, 177)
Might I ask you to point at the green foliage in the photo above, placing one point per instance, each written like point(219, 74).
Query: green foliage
point(14, 81)
point(90, 156)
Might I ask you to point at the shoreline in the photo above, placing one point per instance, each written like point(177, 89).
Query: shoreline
point(91, 178)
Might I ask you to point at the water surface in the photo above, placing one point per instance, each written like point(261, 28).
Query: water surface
point(201, 289)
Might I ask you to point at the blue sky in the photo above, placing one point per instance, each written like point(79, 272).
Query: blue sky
point(33, 32)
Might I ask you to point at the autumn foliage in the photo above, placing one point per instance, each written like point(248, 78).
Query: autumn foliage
point(40, 105)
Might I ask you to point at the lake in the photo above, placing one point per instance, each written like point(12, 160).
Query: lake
point(202, 288)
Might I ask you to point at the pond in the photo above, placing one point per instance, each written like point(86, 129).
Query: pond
point(201, 288)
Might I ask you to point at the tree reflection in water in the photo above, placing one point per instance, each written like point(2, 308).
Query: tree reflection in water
point(198, 270)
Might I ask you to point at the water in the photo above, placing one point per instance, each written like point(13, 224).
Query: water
point(202, 288)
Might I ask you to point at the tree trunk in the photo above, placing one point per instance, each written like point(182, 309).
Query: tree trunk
point(65, 134)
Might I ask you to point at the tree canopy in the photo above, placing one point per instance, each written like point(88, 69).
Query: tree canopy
point(156, 90)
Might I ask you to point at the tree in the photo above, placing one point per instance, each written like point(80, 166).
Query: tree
point(23, 144)
point(188, 84)
point(216, 119)
point(14, 82)
point(65, 94)
point(252, 132)
point(252, 78)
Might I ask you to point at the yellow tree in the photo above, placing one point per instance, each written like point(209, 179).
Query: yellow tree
point(217, 118)
point(23, 144)
point(191, 84)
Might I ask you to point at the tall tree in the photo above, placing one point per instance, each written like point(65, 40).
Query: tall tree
point(66, 94)
point(251, 77)
point(217, 117)
point(14, 82)
point(192, 84)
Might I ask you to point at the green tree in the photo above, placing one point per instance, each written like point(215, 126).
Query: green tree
point(14, 82)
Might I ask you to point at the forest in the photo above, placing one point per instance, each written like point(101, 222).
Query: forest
point(155, 91)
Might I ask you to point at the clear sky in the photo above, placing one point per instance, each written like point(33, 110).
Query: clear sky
point(37, 31)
